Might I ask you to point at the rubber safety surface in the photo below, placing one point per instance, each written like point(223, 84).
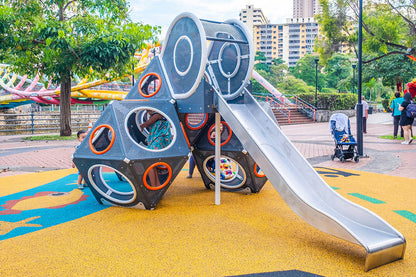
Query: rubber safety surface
point(49, 227)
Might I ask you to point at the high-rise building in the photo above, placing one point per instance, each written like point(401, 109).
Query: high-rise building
point(289, 41)
point(305, 8)
point(252, 17)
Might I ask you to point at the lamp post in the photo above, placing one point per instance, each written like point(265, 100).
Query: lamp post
point(353, 77)
point(316, 83)
point(359, 104)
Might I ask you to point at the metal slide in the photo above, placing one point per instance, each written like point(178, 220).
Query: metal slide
point(304, 190)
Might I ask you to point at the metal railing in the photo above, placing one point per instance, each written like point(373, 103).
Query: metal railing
point(43, 122)
point(282, 107)
point(306, 108)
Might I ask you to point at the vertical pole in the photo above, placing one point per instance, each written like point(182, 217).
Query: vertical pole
point(353, 78)
point(32, 121)
point(359, 104)
point(132, 75)
point(316, 83)
point(217, 158)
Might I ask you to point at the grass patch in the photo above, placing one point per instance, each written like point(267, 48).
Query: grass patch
point(50, 137)
point(391, 137)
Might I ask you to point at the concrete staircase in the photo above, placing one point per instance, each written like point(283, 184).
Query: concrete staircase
point(296, 117)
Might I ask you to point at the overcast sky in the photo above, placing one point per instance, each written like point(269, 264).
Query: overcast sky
point(162, 12)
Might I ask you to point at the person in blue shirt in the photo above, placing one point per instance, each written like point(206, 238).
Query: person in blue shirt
point(396, 114)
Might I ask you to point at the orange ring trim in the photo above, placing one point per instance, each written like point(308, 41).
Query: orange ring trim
point(162, 185)
point(184, 133)
point(111, 142)
point(229, 136)
point(256, 173)
point(144, 78)
point(197, 128)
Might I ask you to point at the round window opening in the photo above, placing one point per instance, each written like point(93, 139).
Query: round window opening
point(157, 176)
point(196, 121)
point(150, 85)
point(232, 174)
point(225, 131)
point(102, 139)
point(258, 172)
point(112, 184)
point(183, 54)
point(150, 129)
point(229, 60)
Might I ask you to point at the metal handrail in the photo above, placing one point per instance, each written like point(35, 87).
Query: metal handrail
point(298, 104)
point(305, 107)
point(276, 103)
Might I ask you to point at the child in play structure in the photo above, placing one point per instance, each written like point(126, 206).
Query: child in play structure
point(159, 137)
point(80, 136)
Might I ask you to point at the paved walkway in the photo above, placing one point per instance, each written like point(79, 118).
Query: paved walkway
point(313, 140)
point(49, 226)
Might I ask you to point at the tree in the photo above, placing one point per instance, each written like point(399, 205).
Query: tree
point(389, 27)
point(261, 61)
point(60, 38)
point(393, 70)
point(335, 26)
point(337, 70)
point(305, 70)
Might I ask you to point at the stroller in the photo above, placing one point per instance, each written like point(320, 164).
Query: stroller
point(345, 143)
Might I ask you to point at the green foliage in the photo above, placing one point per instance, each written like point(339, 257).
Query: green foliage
point(338, 72)
point(292, 85)
point(305, 69)
point(61, 38)
point(386, 104)
point(50, 137)
point(388, 28)
point(391, 70)
point(331, 101)
point(334, 24)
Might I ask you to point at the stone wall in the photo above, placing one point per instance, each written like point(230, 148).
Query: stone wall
point(324, 115)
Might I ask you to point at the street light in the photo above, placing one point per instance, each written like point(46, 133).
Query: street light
point(316, 83)
point(353, 77)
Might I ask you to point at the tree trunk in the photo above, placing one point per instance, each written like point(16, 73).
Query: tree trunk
point(65, 105)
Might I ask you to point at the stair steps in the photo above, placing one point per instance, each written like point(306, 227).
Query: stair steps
point(296, 117)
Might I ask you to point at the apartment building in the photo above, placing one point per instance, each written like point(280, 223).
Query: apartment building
point(305, 8)
point(289, 41)
point(252, 16)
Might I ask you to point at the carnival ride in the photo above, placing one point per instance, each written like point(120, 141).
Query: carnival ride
point(17, 90)
point(185, 86)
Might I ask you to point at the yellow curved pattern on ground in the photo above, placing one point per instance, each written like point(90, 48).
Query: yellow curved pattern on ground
point(187, 235)
point(48, 201)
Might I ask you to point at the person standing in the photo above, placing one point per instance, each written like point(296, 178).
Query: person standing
point(81, 181)
point(191, 166)
point(405, 121)
point(365, 113)
point(397, 114)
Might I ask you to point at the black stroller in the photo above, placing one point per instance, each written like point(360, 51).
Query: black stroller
point(345, 143)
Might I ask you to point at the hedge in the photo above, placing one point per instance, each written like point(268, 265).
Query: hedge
point(331, 101)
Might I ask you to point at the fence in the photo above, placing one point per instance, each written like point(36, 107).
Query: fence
point(43, 122)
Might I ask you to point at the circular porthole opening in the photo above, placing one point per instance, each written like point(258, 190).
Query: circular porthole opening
point(102, 139)
point(150, 85)
point(225, 131)
point(232, 174)
point(229, 63)
point(157, 176)
point(150, 129)
point(183, 54)
point(111, 184)
point(258, 172)
point(196, 121)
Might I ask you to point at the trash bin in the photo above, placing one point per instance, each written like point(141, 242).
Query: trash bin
point(370, 110)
